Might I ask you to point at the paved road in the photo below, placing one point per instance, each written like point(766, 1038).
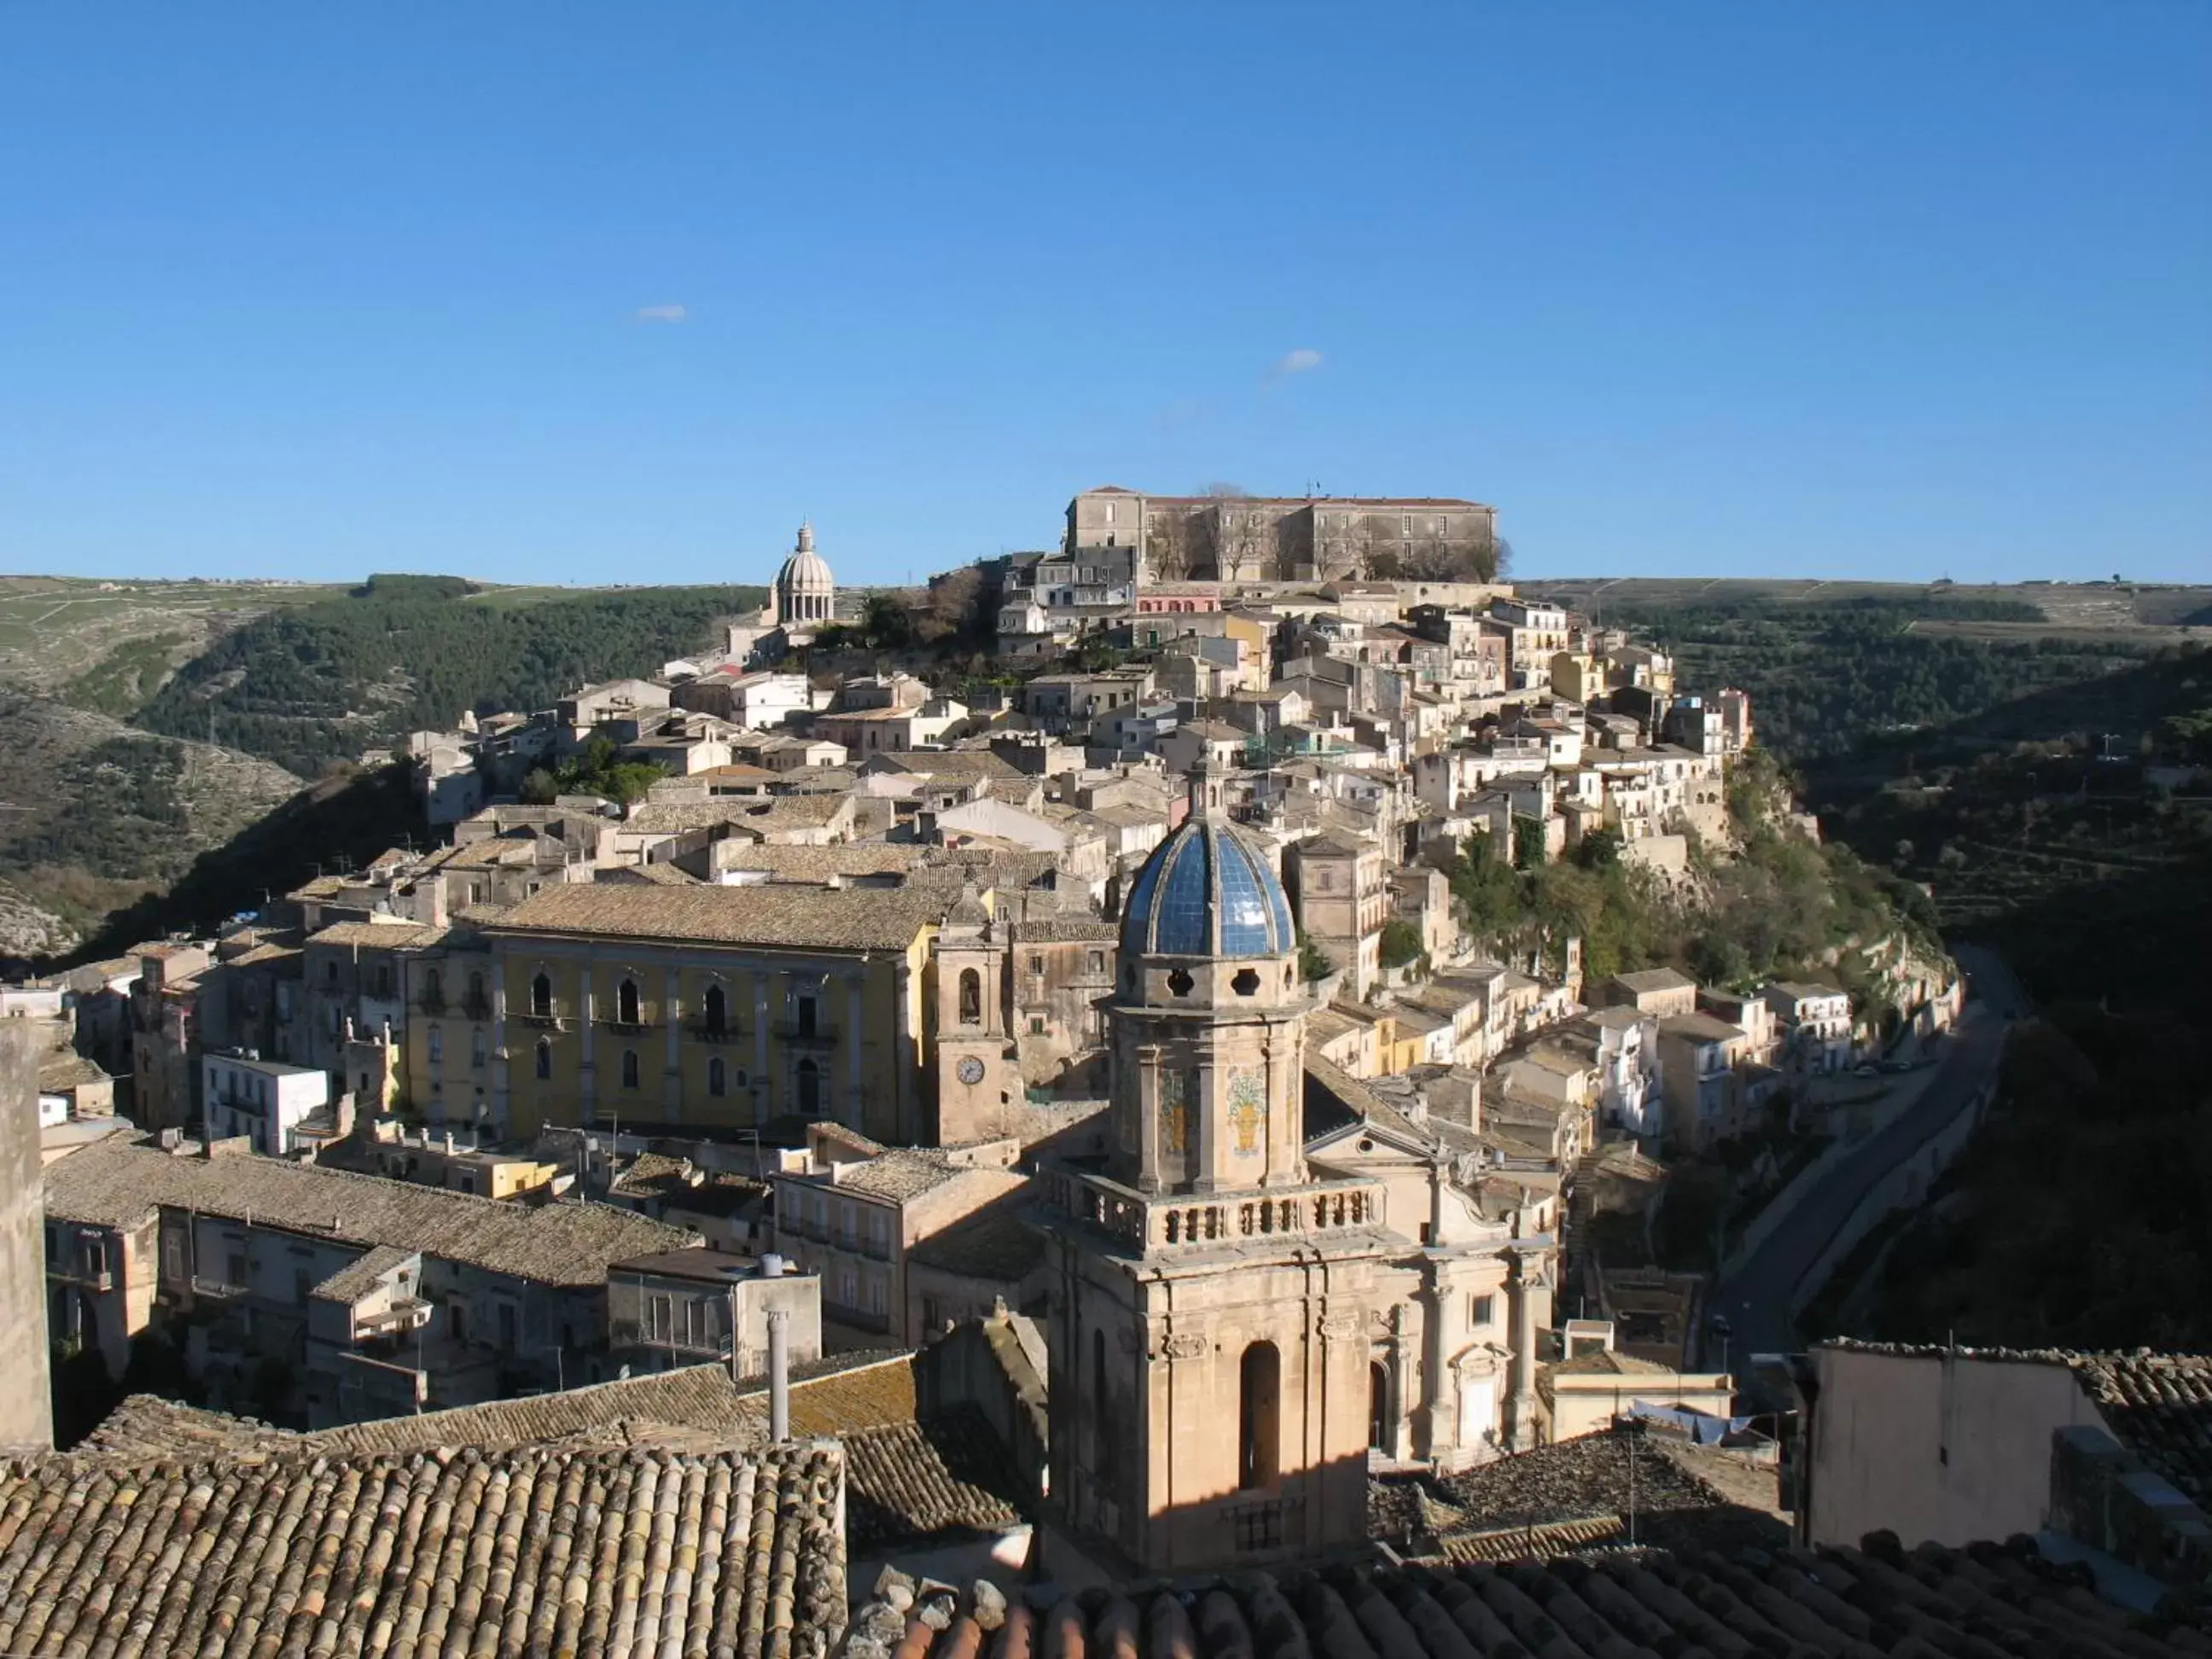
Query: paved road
point(1755, 1301)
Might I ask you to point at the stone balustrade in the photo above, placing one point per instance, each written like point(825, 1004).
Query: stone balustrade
point(1151, 1222)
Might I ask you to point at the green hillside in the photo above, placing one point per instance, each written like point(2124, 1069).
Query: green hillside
point(2068, 830)
point(354, 673)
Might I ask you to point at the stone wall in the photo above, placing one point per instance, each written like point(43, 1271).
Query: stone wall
point(25, 1395)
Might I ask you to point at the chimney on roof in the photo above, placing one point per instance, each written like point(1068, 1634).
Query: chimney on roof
point(779, 1375)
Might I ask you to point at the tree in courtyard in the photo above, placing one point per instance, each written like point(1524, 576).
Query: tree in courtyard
point(1313, 961)
point(1401, 943)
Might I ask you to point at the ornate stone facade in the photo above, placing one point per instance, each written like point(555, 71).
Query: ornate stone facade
point(1241, 1320)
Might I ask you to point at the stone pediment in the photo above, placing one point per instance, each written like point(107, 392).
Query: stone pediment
point(1480, 1360)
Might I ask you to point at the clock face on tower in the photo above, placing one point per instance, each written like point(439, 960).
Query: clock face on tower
point(971, 1070)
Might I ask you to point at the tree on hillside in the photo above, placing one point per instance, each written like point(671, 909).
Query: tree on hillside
point(887, 621)
point(1175, 542)
point(954, 610)
point(593, 769)
point(1442, 557)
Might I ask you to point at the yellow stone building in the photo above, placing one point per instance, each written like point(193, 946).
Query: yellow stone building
point(714, 1007)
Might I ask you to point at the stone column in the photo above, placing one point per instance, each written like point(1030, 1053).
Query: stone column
point(907, 1109)
point(1202, 1139)
point(1521, 1284)
point(1436, 1426)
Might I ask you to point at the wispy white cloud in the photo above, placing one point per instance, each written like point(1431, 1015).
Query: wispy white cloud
point(1303, 360)
point(665, 314)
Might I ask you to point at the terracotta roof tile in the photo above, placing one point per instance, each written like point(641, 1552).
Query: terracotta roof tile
point(1536, 1591)
point(912, 1481)
point(117, 1182)
point(534, 1550)
point(2160, 1406)
point(800, 918)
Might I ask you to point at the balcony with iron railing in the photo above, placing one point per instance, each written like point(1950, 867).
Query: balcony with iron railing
point(1153, 1223)
point(546, 1019)
point(702, 1032)
point(806, 1034)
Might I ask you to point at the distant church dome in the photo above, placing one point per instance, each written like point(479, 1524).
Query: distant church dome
point(805, 592)
point(1207, 891)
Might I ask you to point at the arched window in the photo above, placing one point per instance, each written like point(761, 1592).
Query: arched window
point(717, 1008)
point(541, 997)
point(717, 1077)
point(626, 1003)
point(544, 1058)
point(1378, 1408)
point(809, 1089)
point(971, 997)
point(1259, 1417)
point(434, 990)
point(437, 1045)
point(629, 1068)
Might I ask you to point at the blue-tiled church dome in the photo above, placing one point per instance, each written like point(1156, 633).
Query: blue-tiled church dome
point(1206, 891)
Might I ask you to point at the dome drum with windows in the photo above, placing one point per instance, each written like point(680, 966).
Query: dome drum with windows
point(1207, 926)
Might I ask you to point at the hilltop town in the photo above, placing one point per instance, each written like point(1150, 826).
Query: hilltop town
point(1306, 980)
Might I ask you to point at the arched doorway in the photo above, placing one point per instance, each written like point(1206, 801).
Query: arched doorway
point(1379, 1435)
point(1259, 1436)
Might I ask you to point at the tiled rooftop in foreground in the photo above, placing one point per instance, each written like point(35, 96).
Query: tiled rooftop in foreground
point(1988, 1601)
point(535, 1550)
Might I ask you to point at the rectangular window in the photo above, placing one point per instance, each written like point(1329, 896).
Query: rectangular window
point(1480, 1310)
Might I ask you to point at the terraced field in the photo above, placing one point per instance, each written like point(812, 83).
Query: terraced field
point(56, 631)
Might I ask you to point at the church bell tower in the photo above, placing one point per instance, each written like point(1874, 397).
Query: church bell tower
point(1210, 1383)
point(978, 1080)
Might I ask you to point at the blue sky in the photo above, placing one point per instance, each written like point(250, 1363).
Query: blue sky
point(590, 292)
